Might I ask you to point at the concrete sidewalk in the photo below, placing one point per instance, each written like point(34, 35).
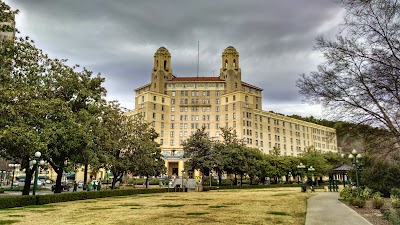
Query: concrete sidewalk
point(325, 208)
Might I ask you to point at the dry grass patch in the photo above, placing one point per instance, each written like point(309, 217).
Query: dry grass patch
point(265, 206)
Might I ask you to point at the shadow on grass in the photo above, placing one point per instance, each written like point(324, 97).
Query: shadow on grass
point(129, 204)
point(171, 206)
point(196, 213)
point(217, 206)
point(3, 222)
point(279, 213)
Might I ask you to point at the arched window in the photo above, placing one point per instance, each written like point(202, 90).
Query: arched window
point(226, 63)
point(234, 63)
point(157, 64)
point(165, 64)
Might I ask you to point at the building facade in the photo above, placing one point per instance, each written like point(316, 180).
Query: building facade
point(178, 106)
point(9, 32)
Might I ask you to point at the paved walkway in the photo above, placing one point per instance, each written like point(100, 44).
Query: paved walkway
point(325, 208)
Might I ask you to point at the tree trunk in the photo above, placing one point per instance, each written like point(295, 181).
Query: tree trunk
point(28, 179)
point(251, 180)
point(235, 183)
point(147, 181)
point(85, 173)
point(58, 181)
point(241, 179)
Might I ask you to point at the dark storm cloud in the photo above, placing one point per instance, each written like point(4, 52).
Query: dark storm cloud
point(119, 38)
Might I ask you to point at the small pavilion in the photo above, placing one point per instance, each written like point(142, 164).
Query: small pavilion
point(337, 174)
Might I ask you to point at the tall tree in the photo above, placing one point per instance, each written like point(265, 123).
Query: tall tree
point(360, 79)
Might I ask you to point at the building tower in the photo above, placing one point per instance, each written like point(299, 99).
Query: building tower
point(161, 71)
point(230, 70)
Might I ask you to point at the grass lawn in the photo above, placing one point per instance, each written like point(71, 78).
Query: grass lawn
point(255, 206)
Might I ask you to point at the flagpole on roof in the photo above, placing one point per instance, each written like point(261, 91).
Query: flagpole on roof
point(198, 57)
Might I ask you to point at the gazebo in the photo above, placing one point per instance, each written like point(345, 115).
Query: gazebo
point(336, 174)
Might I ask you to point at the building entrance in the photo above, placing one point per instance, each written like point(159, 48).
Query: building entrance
point(175, 172)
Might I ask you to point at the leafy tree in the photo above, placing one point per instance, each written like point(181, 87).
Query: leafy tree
point(198, 151)
point(142, 149)
point(360, 78)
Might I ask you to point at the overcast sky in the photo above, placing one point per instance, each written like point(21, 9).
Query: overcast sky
point(118, 39)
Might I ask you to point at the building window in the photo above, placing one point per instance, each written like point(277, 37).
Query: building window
point(162, 116)
point(172, 117)
point(173, 93)
point(142, 98)
point(173, 109)
point(154, 115)
point(171, 142)
point(217, 101)
point(217, 118)
point(171, 134)
point(154, 106)
point(226, 99)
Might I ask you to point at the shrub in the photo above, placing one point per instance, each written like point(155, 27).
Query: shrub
point(393, 215)
point(366, 193)
point(17, 201)
point(395, 192)
point(378, 202)
point(348, 193)
point(358, 202)
point(25, 200)
point(395, 202)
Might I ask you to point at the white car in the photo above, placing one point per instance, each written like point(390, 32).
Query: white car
point(15, 183)
point(39, 183)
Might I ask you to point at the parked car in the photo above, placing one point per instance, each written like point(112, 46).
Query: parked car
point(80, 184)
point(65, 187)
point(15, 183)
point(39, 182)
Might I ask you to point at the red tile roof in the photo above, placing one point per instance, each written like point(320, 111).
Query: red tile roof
point(252, 86)
point(196, 79)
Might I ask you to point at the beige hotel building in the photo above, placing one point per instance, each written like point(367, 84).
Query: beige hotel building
point(178, 106)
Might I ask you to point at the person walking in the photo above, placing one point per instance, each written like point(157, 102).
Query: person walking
point(75, 187)
point(89, 187)
point(99, 186)
point(95, 185)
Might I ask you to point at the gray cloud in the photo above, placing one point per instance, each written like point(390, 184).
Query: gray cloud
point(118, 39)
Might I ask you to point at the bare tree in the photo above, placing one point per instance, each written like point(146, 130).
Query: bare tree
point(360, 78)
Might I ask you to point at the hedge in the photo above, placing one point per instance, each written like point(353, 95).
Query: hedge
point(25, 200)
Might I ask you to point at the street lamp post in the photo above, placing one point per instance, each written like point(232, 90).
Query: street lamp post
point(311, 169)
point(36, 161)
point(302, 167)
point(355, 158)
point(14, 166)
point(183, 171)
point(2, 175)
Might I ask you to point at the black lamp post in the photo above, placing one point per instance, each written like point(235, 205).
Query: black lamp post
point(183, 172)
point(302, 167)
point(355, 158)
point(36, 161)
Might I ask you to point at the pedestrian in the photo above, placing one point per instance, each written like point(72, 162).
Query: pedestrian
point(94, 185)
point(99, 186)
point(89, 187)
point(75, 187)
